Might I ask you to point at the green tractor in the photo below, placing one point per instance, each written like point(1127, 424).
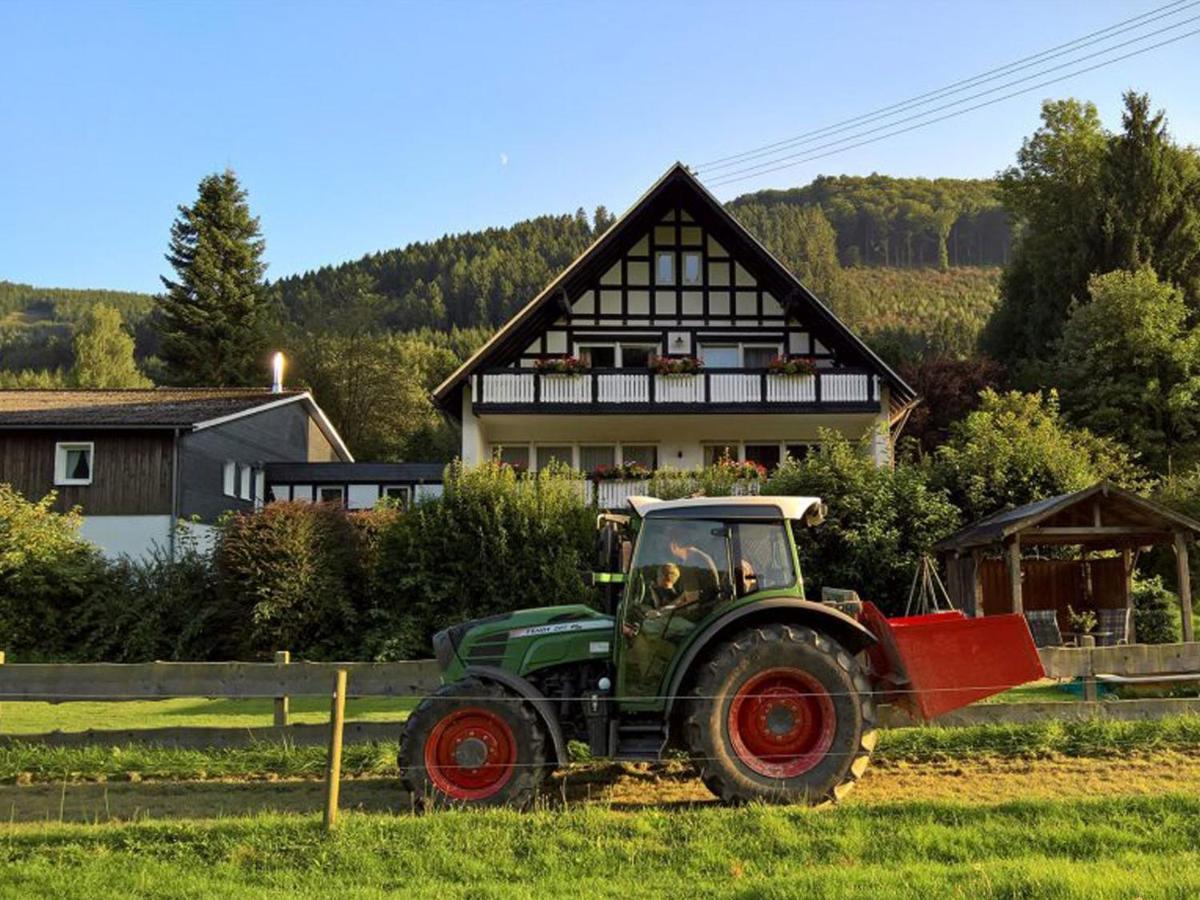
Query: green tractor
point(706, 644)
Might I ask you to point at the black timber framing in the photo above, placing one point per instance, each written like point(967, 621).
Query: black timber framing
point(676, 190)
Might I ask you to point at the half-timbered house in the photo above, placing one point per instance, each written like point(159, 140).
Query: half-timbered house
point(674, 340)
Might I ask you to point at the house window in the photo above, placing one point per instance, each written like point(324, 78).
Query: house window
point(602, 356)
point(766, 455)
point(691, 268)
point(593, 457)
point(548, 455)
point(720, 356)
point(637, 356)
point(759, 357)
point(516, 456)
point(642, 454)
point(230, 478)
point(330, 493)
point(664, 267)
point(800, 452)
point(246, 482)
point(714, 453)
point(302, 493)
point(397, 493)
point(73, 463)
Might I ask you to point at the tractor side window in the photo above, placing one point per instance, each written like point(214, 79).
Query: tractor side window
point(680, 574)
point(762, 557)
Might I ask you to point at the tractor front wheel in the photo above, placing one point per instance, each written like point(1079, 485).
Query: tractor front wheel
point(473, 742)
point(780, 713)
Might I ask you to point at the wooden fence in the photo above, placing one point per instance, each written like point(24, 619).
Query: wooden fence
point(283, 679)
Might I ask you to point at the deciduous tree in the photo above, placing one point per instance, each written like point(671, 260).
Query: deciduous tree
point(104, 352)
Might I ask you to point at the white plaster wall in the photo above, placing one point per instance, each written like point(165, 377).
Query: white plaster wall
point(474, 447)
point(133, 536)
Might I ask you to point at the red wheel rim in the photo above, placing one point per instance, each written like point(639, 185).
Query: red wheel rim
point(470, 754)
point(781, 722)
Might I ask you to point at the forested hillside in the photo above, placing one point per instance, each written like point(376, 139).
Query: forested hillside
point(872, 247)
point(911, 222)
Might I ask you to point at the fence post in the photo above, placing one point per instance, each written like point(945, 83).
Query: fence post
point(282, 658)
point(333, 770)
point(1088, 642)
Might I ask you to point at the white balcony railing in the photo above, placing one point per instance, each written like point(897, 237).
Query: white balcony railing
point(716, 387)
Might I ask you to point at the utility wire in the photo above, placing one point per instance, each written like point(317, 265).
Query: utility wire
point(771, 166)
point(953, 103)
point(958, 86)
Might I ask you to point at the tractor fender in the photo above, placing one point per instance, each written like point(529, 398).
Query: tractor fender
point(846, 631)
point(538, 700)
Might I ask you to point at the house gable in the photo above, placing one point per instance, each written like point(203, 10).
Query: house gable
point(716, 285)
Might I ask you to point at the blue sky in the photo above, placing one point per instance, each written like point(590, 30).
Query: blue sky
point(361, 126)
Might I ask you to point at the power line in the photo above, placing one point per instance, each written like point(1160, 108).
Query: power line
point(963, 84)
point(755, 171)
point(953, 103)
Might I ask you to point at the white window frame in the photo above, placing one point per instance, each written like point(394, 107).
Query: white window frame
point(618, 348)
point(60, 461)
point(229, 475)
point(406, 493)
point(741, 346)
point(321, 488)
point(659, 255)
point(245, 482)
point(575, 445)
point(698, 255)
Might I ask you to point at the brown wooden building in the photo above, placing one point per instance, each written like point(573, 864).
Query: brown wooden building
point(991, 569)
point(137, 461)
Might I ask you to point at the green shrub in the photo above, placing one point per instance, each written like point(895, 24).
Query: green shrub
point(880, 521)
point(46, 571)
point(294, 576)
point(494, 541)
point(1155, 612)
point(156, 608)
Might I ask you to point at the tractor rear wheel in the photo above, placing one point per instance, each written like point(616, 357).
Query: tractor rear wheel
point(473, 742)
point(780, 713)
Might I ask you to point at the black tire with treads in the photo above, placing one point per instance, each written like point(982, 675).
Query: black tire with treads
point(736, 663)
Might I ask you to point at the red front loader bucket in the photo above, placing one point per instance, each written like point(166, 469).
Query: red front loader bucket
point(942, 661)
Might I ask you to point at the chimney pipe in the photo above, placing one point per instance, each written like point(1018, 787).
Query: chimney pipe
point(277, 374)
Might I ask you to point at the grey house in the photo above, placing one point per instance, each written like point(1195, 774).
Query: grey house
point(137, 461)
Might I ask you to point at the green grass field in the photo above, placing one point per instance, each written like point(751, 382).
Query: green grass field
point(37, 718)
point(1085, 848)
point(1096, 738)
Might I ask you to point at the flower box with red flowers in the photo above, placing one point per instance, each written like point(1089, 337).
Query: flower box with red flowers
point(561, 365)
point(677, 365)
point(792, 365)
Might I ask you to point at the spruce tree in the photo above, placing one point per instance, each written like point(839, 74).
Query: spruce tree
point(212, 318)
point(104, 352)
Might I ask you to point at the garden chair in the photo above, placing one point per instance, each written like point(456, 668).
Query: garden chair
point(1043, 625)
point(1114, 626)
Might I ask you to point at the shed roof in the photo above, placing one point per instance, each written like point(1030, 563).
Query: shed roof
point(1102, 515)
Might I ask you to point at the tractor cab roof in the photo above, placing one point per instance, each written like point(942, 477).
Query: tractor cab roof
point(810, 509)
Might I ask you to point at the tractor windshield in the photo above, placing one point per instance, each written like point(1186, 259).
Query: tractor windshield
point(683, 569)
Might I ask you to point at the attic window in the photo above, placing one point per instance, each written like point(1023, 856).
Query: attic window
point(664, 267)
point(691, 268)
point(73, 463)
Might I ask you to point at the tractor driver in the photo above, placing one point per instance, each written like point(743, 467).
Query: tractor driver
point(698, 578)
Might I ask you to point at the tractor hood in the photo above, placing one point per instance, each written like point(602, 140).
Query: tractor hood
point(524, 639)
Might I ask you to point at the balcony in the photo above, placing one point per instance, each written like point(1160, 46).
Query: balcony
point(642, 391)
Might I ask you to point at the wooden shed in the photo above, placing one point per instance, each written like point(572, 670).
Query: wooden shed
point(990, 569)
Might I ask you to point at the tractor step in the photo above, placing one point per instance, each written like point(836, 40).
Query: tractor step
point(636, 741)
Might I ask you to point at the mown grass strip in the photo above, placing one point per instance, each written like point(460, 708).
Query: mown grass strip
point(1146, 847)
point(1097, 738)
